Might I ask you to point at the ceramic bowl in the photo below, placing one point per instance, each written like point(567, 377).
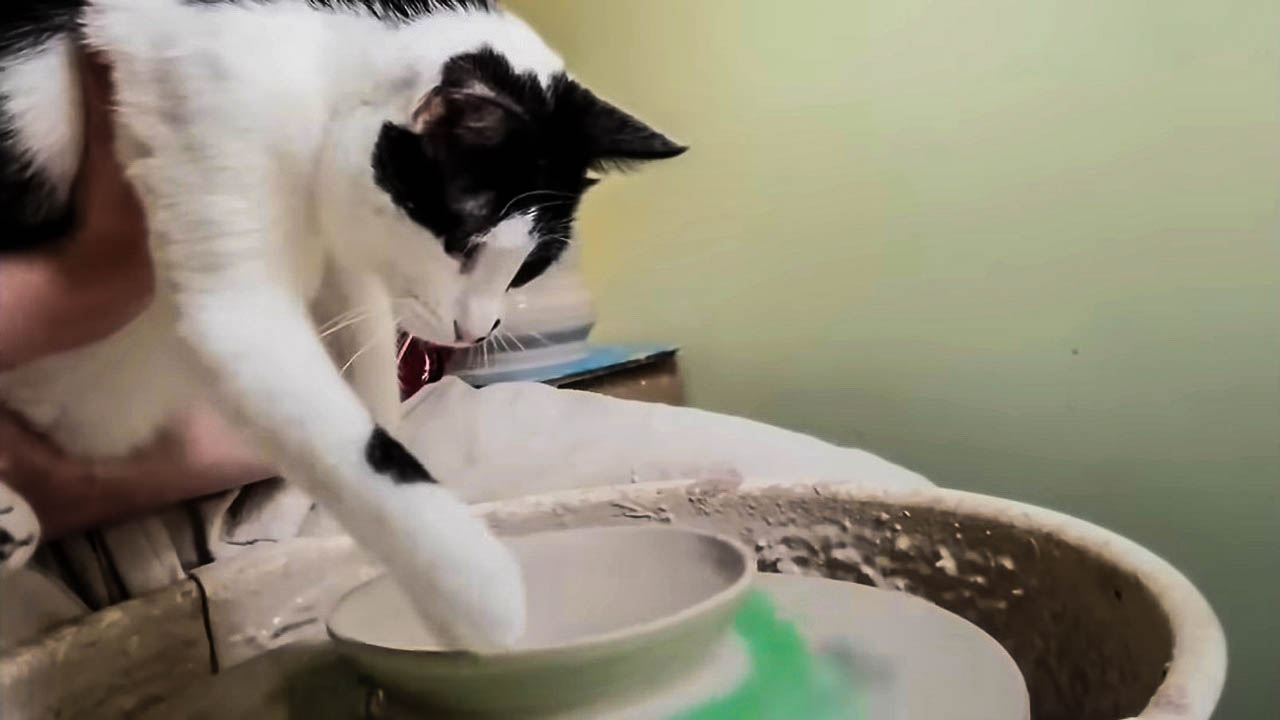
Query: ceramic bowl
point(610, 611)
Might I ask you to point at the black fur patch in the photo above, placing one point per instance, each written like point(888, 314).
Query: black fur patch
point(390, 10)
point(25, 24)
point(27, 217)
point(387, 456)
point(10, 545)
point(498, 143)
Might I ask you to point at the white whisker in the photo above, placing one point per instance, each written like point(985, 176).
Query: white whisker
point(343, 316)
point(522, 196)
point(515, 340)
point(359, 352)
point(347, 323)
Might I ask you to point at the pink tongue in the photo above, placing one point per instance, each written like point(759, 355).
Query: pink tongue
point(420, 363)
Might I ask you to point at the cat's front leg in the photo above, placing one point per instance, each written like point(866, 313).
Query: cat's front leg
point(260, 345)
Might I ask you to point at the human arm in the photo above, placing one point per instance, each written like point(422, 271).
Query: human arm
point(91, 283)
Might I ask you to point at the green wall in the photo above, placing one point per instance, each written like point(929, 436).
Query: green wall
point(1028, 248)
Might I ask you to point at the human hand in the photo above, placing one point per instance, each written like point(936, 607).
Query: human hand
point(98, 278)
point(198, 455)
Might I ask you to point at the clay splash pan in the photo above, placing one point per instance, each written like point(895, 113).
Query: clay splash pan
point(610, 611)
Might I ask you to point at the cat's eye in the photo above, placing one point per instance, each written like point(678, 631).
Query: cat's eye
point(589, 182)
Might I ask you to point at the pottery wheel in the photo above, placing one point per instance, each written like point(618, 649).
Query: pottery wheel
point(913, 660)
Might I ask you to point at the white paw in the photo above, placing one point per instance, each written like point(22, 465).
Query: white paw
point(19, 530)
point(463, 582)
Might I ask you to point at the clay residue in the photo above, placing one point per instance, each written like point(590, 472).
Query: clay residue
point(1172, 700)
point(717, 483)
point(638, 512)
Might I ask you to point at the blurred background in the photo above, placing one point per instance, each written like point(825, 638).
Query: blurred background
point(1030, 249)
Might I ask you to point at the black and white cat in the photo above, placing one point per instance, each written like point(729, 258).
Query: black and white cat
point(409, 159)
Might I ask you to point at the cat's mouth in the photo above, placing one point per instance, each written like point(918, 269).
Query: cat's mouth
point(420, 363)
point(429, 325)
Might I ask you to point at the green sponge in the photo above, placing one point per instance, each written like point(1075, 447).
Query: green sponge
point(785, 681)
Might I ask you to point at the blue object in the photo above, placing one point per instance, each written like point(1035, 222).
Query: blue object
point(600, 359)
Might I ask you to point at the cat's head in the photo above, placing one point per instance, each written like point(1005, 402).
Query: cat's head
point(479, 184)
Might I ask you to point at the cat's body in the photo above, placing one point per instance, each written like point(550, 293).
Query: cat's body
point(407, 161)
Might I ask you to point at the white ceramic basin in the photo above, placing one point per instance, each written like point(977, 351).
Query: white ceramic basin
point(610, 609)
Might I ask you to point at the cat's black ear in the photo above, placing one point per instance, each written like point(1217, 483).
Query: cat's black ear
point(472, 116)
point(617, 139)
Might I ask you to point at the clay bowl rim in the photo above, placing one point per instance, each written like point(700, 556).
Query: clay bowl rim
point(643, 633)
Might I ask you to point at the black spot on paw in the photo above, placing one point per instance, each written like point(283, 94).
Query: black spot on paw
point(387, 456)
point(9, 545)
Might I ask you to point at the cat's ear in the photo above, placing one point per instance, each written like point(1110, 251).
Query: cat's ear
point(617, 140)
point(473, 115)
